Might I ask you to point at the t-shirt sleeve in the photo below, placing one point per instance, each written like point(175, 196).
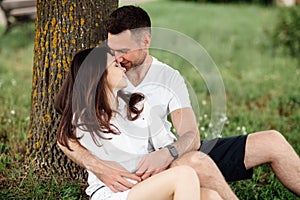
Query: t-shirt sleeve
point(180, 95)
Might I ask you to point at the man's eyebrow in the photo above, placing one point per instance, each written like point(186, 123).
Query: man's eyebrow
point(123, 49)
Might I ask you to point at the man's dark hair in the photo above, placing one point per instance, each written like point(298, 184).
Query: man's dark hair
point(127, 18)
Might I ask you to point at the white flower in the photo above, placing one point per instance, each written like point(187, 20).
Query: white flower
point(203, 102)
point(13, 112)
point(205, 116)
point(13, 82)
point(243, 128)
point(238, 128)
point(224, 119)
point(202, 128)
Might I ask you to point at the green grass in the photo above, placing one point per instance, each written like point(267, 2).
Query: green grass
point(262, 90)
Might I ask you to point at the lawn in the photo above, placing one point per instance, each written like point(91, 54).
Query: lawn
point(262, 90)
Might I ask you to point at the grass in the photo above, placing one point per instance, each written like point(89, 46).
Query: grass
point(262, 90)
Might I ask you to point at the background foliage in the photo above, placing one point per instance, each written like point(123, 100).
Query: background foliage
point(262, 2)
point(286, 34)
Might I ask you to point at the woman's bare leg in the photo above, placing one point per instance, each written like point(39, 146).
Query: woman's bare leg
point(208, 194)
point(178, 183)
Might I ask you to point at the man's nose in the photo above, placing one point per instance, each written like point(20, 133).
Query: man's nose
point(119, 59)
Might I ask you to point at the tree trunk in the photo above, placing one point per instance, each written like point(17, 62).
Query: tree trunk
point(62, 28)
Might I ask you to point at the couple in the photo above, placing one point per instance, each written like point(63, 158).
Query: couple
point(230, 159)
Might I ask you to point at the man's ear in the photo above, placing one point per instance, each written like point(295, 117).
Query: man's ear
point(147, 40)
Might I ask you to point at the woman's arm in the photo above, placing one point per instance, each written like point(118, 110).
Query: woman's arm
point(110, 173)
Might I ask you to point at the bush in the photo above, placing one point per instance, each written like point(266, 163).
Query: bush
point(262, 2)
point(287, 32)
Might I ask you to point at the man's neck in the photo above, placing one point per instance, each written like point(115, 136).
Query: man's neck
point(137, 74)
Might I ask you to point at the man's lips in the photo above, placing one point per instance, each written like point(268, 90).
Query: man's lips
point(124, 64)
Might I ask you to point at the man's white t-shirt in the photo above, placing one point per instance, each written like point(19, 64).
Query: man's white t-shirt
point(165, 91)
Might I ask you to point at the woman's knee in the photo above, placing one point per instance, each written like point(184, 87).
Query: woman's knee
point(209, 194)
point(185, 171)
point(186, 175)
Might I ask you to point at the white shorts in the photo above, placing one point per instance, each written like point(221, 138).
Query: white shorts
point(106, 194)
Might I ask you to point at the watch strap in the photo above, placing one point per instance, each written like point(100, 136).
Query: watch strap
point(173, 151)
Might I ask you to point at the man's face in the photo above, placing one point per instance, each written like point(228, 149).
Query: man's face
point(127, 51)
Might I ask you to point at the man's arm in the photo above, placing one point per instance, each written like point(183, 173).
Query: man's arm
point(185, 124)
point(110, 173)
point(186, 127)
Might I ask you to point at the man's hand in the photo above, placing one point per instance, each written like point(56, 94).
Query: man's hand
point(114, 176)
point(110, 173)
point(154, 163)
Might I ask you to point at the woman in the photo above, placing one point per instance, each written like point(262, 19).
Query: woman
point(92, 108)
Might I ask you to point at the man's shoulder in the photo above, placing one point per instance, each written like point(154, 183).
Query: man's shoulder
point(162, 67)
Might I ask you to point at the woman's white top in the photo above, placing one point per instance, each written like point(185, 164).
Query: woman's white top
point(165, 91)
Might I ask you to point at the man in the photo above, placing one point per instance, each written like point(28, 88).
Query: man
point(231, 159)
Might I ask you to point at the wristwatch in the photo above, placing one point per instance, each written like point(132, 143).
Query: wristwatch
point(173, 151)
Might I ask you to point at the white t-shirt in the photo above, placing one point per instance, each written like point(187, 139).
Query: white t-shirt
point(165, 91)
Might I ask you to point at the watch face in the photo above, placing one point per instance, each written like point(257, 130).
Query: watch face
point(173, 151)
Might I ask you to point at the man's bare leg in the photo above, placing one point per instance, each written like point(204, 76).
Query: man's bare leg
point(208, 173)
point(271, 147)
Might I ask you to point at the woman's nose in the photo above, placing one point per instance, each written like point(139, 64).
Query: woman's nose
point(122, 68)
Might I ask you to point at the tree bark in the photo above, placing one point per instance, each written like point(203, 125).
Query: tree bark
point(62, 28)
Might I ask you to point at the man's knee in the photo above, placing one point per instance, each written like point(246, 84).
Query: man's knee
point(272, 141)
point(194, 159)
point(273, 134)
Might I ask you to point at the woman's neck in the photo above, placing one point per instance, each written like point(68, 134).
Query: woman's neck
point(113, 100)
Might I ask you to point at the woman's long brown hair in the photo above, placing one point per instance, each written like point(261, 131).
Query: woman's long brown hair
point(83, 98)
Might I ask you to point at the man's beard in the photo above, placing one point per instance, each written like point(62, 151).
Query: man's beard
point(138, 62)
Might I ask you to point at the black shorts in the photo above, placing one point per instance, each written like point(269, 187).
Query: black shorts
point(228, 153)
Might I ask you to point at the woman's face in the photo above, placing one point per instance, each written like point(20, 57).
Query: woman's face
point(116, 77)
